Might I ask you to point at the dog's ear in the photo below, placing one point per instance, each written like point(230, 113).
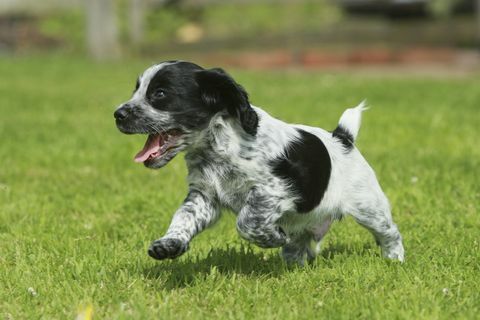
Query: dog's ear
point(219, 91)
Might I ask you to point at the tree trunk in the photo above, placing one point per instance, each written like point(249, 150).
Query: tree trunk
point(137, 13)
point(478, 23)
point(102, 33)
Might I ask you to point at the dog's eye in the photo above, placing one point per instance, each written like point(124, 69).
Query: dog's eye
point(158, 94)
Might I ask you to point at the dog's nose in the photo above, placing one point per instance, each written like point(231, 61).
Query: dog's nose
point(121, 113)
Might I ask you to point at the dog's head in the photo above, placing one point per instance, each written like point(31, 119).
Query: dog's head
point(174, 101)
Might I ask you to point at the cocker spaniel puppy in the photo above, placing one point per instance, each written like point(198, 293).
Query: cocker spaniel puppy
point(287, 183)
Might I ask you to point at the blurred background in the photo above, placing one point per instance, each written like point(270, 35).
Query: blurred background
point(77, 215)
point(257, 34)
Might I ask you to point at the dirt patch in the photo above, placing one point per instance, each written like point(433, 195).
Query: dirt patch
point(417, 60)
point(317, 59)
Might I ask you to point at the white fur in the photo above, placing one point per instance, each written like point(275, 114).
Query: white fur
point(351, 119)
point(232, 168)
point(353, 188)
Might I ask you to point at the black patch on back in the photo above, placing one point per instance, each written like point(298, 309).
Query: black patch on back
point(307, 167)
point(344, 136)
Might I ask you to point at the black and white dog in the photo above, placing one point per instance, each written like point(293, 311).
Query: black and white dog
point(287, 183)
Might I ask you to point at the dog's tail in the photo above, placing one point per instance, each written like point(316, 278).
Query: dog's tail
point(349, 124)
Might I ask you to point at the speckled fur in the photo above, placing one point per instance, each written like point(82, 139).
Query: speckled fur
point(229, 168)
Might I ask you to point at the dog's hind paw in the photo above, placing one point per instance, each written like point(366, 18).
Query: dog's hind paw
point(395, 253)
point(167, 248)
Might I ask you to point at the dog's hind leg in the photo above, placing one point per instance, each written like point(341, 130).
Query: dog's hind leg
point(298, 249)
point(319, 232)
point(375, 215)
point(306, 244)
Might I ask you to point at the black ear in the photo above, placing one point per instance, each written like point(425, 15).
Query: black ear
point(219, 91)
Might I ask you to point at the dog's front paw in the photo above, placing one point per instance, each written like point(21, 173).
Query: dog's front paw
point(167, 248)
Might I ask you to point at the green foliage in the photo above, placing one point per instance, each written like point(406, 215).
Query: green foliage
point(77, 215)
point(264, 18)
point(163, 23)
point(222, 20)
point(442, 8)
point(66, 26)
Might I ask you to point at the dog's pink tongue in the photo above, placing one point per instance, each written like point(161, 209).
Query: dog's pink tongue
point(151, 146)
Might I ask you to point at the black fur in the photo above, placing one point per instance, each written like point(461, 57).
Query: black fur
point(181, 95)
point(167, 248)
point(192, 96)
point(345, 137)
point(307, 167)
point(220, 91)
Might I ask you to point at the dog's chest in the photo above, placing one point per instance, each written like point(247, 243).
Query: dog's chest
point(230, 185)
point(228, 167)
point(226, 181)
point(232, 194)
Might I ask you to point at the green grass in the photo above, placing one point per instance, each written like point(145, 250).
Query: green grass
point(77, 215)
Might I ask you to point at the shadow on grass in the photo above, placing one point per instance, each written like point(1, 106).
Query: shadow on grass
point(225, 261)
point(347, 249)
point(232, 261)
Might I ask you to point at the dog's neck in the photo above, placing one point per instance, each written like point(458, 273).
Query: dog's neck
point(220, 140)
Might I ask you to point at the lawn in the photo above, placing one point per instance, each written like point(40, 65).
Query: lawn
point(77, 214)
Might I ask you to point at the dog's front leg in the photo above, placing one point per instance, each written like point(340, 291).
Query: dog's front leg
point(197, 212)
point(257, 220)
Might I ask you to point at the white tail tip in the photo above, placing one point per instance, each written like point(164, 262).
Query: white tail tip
point(352, 118)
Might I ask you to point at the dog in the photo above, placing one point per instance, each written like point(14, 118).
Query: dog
point(286, 183)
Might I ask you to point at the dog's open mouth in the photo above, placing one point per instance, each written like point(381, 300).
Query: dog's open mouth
point(158, 145)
